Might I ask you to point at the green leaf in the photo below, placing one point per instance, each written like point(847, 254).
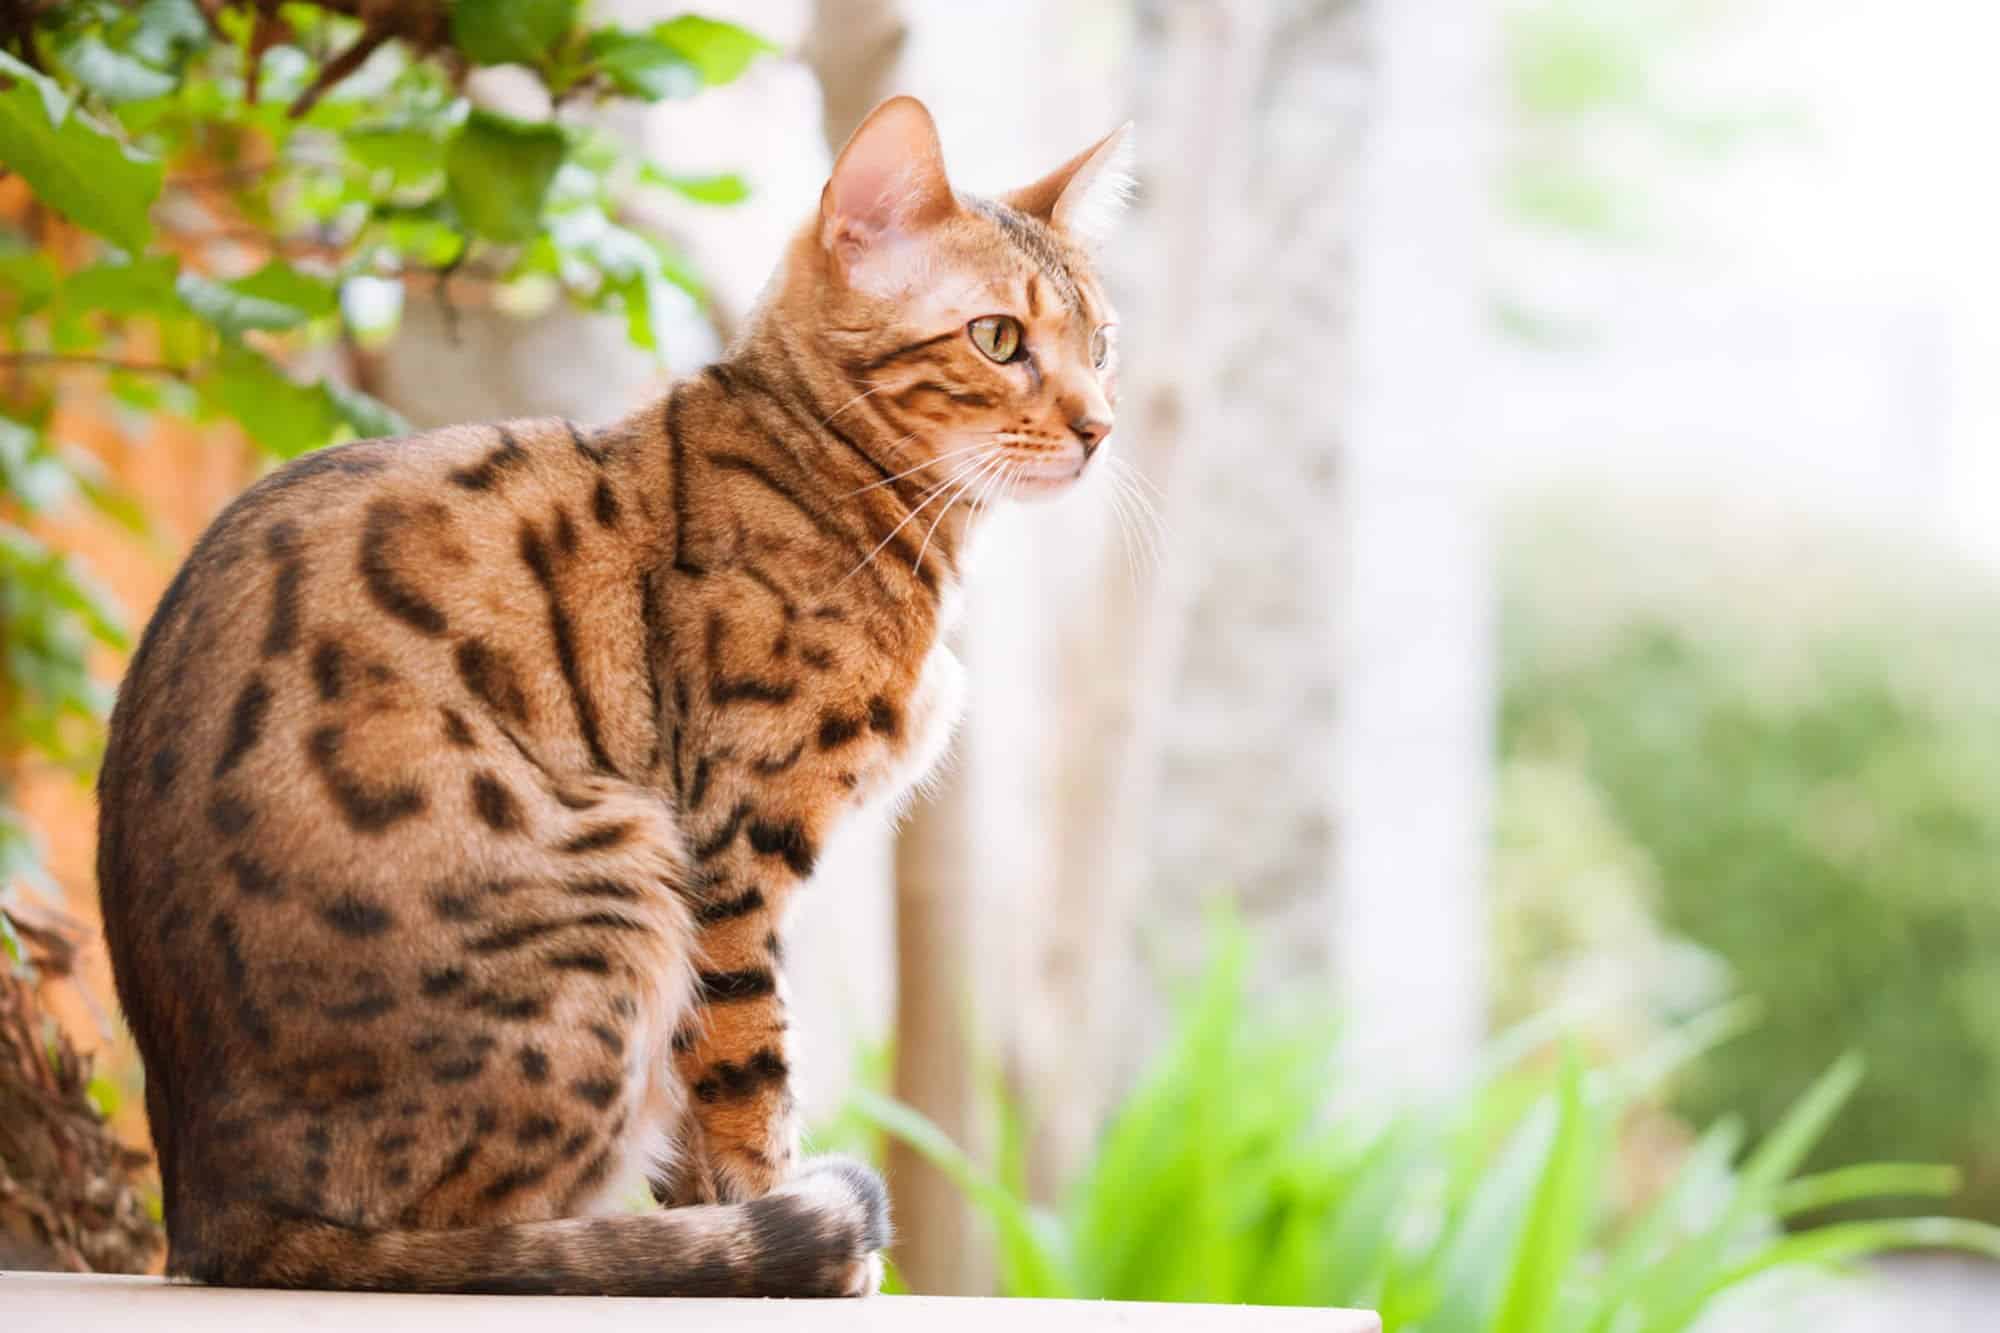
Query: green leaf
point(724, 189)
point(498, 172)
point(233, 310)
point(168, 28)
point(70, 164)
point(112, 501)
point(113, 75)
point(721, 51)
point(28, 278)
point(410, 155)
point(1566, 197)
point(281, 284)
point(141, 287)
point(419, 236)
point(1562, 68)
point(640, 64)
point(510, 32)
point(371, 418)
point(103, 1096)
point(10, 942)
point(282, 417)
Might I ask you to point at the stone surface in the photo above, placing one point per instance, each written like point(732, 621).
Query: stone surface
point(60, 1303)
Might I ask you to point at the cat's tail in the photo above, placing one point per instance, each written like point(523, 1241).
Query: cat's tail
point(817, 1235)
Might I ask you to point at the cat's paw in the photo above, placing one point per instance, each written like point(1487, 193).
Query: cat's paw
point(737, 1176)
point(851, 1211)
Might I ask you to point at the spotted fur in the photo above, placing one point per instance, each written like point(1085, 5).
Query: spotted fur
point(459, 784)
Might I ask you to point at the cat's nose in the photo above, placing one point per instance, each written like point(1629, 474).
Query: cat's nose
point(1091, 430)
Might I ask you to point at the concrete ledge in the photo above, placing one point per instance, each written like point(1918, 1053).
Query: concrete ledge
point(67, 1303)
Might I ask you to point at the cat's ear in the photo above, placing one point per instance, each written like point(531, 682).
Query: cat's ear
point(888, 182)
point(1083, 196)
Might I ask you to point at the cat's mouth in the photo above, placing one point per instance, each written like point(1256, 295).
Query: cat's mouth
point(1038, 468)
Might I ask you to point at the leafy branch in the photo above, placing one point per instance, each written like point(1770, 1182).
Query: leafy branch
point(217, 186)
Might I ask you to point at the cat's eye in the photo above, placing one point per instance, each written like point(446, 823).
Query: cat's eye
point(999, 336)
point(1100, 347)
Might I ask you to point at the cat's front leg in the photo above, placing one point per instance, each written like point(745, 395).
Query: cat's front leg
point(733, 1053)
point(737, 1141)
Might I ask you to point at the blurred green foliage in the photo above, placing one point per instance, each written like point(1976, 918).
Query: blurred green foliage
point(1610, 104)
point(1795, 758)
point(1245, 1168)
point(215, 192)
point(1596, 89)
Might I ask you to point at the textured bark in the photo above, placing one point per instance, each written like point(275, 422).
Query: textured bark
point(854, 46)
point(69, 1190)
point(1195, 759)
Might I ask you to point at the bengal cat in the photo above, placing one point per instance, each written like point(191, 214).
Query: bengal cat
point(456, 792)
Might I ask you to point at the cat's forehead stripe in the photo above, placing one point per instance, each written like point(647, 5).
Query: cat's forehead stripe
point(1032, 239)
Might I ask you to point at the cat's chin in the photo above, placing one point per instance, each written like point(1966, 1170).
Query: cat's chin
point(1043, 487)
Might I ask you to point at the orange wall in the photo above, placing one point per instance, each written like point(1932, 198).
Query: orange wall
point(182, 474)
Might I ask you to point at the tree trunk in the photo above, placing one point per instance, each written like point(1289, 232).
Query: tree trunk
point(855, 47)
point(1194, 764)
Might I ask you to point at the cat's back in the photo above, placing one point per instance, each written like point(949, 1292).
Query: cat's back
point(283, 580)
point(296, 684)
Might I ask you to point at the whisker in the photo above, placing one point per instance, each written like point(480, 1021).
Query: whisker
point(1155, 522)
point(976, 444)
point(1146, 530)
point(1136, 472)
point(992, 493)
point(1123, 521)
point(919, 508)
point(1129, 540)
point(875, 389)
point(1012, 475)
point(993, 462)
point(996, 481)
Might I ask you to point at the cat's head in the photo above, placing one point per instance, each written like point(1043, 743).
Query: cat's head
point(972, 334)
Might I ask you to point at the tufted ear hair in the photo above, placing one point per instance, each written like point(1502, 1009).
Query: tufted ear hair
point(1084, 195)
point(887, 183)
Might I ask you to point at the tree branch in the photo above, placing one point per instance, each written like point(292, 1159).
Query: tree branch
point(338, 68)
point(81, 360)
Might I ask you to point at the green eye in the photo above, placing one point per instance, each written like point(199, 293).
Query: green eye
point(999, 336)
point(1100, 347)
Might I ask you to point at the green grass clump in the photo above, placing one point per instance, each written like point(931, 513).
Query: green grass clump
point(1243, 1169)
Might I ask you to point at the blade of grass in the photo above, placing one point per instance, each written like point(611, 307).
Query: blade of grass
point(1361, 1233)
point(1683, 1046)
point(1855, 1240)
point(1707, 1162)
point(1677, 1289)
point(1033, 1268)
point(1475, 1255)
point(1145, 1221)
point(1872, 1180)
point(1564, 1203)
